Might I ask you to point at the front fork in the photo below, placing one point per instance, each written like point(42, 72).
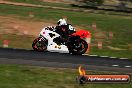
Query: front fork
point(43, 40)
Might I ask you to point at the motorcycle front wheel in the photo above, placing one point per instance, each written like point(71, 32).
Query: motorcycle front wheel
point(39, 46)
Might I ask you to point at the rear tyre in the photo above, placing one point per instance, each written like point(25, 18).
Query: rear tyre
point(78, 48)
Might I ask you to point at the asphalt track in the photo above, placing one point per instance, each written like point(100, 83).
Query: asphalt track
point(59, 60)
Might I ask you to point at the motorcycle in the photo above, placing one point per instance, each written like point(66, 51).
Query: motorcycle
point(75, 44)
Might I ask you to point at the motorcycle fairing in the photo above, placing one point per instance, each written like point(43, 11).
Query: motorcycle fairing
point(52, 46)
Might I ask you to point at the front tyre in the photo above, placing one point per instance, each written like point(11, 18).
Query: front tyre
point(38, 45)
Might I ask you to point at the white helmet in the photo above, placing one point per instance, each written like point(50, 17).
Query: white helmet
point(62, 22)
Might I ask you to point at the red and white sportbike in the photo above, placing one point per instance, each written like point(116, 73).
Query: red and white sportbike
point(75, 44)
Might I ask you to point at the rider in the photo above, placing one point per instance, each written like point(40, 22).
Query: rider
point(64, 29)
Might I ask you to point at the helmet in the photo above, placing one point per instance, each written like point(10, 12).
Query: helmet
point(62, 22)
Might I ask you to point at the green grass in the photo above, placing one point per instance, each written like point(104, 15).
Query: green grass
point(38, 2)
point(119, 25)
point(18, 76)
point(17, 41)
point(112, 53)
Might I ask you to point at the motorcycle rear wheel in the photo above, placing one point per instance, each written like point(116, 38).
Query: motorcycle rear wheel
point(81, 48)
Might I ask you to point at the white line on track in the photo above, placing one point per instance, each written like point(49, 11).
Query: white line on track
point(127, 66)
point(115, 65)
point(113, 57)
point(104, 56)
point(85, 54)
point(93, 55)
point(123, 58)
